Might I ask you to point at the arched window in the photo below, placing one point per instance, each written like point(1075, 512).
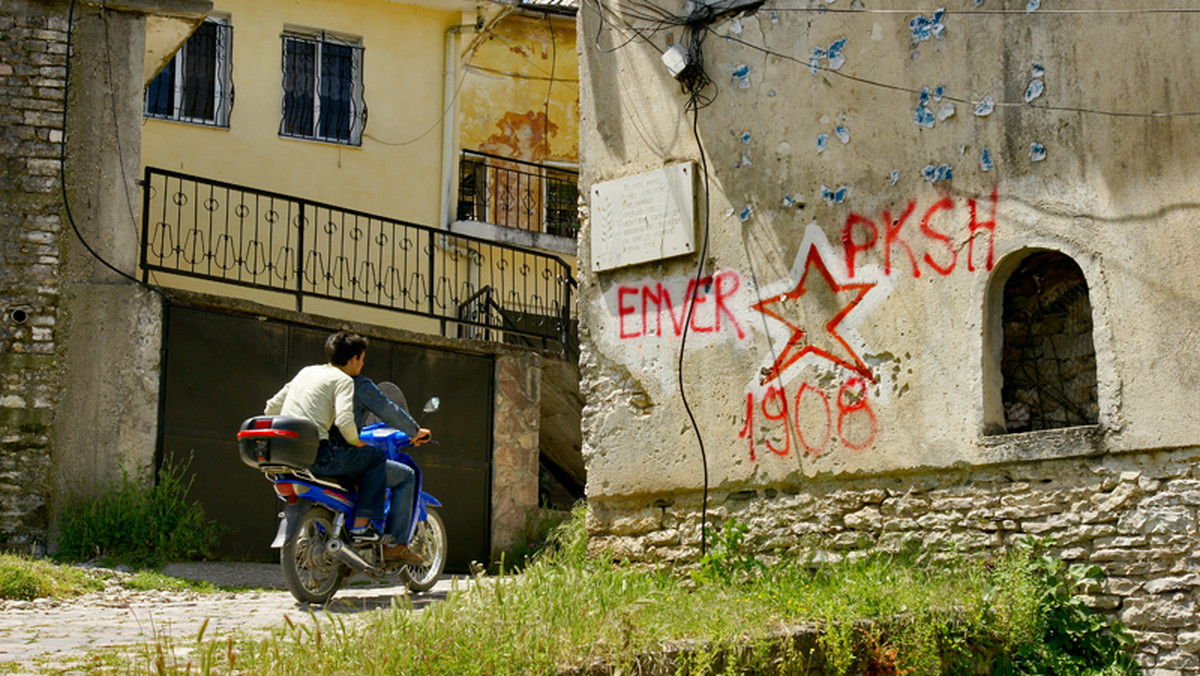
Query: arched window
point(1047, 358)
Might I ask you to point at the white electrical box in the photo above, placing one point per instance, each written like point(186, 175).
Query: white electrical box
point(645, 217)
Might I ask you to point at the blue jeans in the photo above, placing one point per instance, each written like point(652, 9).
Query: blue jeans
point(403, 482)
point(365, 465)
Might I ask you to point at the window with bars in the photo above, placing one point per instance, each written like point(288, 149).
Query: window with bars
point(322, 89)
point(196, 86)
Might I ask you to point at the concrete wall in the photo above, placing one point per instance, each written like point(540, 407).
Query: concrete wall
point(80, 343)
point(860, 233)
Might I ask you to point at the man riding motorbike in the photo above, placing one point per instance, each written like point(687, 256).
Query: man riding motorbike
point(400, 477)
point(324, 394)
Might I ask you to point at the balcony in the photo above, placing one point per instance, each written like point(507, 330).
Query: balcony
point(526, 203)
point(198, 228)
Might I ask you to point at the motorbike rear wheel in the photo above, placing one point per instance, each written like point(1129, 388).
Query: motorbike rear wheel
point(310, 572)
point(429, 542)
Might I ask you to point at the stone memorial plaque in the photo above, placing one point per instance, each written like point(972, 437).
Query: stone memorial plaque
point(643, 218)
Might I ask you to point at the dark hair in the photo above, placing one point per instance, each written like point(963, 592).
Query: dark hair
point(343, 346)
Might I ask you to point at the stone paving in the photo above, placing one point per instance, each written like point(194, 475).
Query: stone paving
point(52, 636)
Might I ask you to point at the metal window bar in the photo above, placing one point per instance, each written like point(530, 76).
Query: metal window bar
point(322, 90)
point(212, 230)
point(1048, 359)
point(518, 194)
point(196, 86)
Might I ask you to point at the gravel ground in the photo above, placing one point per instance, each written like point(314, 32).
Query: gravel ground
point(44, 635)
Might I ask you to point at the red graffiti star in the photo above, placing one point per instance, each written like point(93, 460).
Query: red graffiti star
point(836, 349)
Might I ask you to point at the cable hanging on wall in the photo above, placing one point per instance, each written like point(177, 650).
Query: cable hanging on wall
point(62, 159)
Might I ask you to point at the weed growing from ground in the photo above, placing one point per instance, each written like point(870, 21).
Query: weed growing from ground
point(140, 525)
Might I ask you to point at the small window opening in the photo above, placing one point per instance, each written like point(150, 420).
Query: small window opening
point(1048, 360)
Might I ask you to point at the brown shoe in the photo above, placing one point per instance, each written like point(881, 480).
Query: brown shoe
point(402, 554)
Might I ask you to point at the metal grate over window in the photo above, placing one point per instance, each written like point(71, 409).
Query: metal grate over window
point(517, 194)
point(322, 89)
point(1049, 359)
point(197, 85)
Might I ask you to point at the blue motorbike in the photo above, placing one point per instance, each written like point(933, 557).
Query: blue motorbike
point(316, 551)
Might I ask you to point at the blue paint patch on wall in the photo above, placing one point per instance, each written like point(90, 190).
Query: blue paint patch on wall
point(1034, 90)
point(924, 117)
point(822, 143)
point(834, 54)
point(836, 58)
point(924, 28)
point(814, 62)
point(937, 174)
point(894, 176)
point(985, 160)
point(741, 76)
point(1037, 151)
point(744, 214)
point(745, 137)
point(834, 196)
point(985, 107)
point(1032, 6)
point(945, 111)
point(843, 134)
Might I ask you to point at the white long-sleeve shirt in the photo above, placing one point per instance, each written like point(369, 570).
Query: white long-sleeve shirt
point(322, 393)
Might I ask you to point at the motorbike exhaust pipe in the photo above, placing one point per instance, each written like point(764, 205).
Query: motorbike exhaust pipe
point(346, 555)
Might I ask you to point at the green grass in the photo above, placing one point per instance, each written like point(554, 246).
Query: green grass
point(22, 578)
point(27, 579)
point(140, 525)
point(881, 614)
point(152, 580)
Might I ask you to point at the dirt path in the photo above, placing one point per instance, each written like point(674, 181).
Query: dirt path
point(50, 636)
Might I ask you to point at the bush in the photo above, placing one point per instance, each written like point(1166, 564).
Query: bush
point(139, 525)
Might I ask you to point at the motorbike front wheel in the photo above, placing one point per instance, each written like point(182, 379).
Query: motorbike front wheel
point(310, 572)
point(429, 542)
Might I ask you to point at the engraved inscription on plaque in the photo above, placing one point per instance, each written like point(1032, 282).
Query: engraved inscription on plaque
point(643, 218)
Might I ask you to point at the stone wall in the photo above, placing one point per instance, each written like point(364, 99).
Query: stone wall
point(33, 49)
point(515, 458)
point(1135, 515)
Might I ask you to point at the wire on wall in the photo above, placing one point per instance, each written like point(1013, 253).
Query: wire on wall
point(695, 83)
point(62, 161)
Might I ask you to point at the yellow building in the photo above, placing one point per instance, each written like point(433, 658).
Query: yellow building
point(324, 147)
point(407, 168)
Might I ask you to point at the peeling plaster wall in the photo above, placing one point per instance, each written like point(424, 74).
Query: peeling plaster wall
point(520, 93)
point(900, 228)
point(874, 177)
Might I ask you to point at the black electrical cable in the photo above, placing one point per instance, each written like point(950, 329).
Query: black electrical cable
point(687, 323)
point(62, 161)
point(694, 84)
point(911, 90)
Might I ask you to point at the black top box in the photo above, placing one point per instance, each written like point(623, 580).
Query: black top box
point(278, 440)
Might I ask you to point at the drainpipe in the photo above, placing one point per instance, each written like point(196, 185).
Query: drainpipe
point(450, 121)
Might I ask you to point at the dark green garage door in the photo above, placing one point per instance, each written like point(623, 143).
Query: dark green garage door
point(221, 369)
